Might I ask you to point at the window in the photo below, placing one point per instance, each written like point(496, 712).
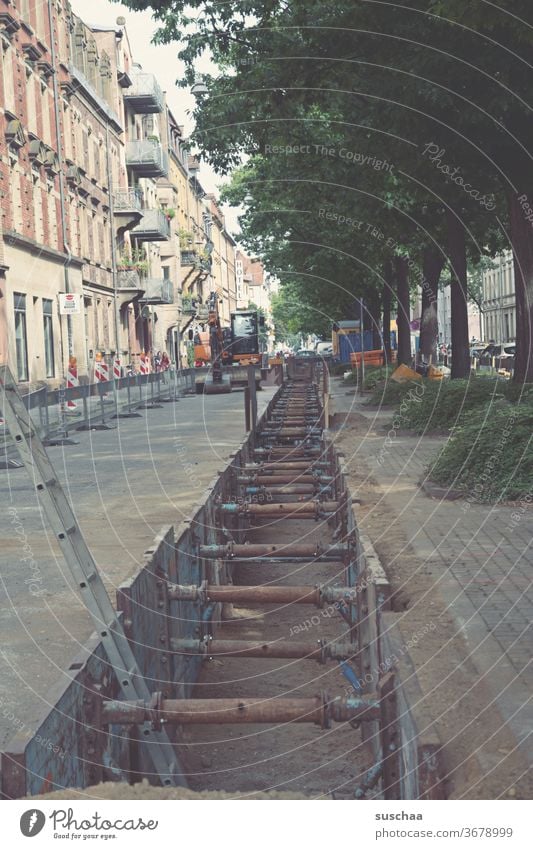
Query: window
point(48, 330)
point(21, 342)
point(507, 327)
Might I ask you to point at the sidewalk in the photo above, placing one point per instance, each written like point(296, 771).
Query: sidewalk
point(478, 558)
point(124, 485)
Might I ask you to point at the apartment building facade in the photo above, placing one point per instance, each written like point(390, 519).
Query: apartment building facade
point(499, 301)
point(38, 197)
point(255, 287)
point(99, 199)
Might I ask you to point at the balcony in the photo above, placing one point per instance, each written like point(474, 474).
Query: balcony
point(189, 305)
point(147, 158)
point(126, 201)
point(157, 291)
point(153, 227)
point(144, 96)
point(127, 208)
point(188, 257)
point(129, 279)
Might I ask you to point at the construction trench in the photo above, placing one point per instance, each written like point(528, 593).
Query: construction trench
point(254, 649)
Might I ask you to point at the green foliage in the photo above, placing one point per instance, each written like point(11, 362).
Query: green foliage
point(374, 375)
point(490, 456)
point(441, 405)
point(298, 83)
point(292, 315)
point(388, 393)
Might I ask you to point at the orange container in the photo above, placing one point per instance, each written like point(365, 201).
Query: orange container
point(371, 358)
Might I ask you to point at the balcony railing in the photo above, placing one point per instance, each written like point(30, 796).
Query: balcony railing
point(153, 227)
point(129, 279)
point(144, 96)
point(147, 158)
point(189, 305)
point(157, 291)
point(126, 201)
point(188, 257)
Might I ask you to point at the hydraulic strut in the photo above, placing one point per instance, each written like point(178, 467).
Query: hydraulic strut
point(320, 710)
point(213, 593)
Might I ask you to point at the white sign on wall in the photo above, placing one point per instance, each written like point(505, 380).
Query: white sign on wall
point(69, 304)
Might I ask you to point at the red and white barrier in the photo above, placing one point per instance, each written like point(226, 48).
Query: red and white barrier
point(144, 364)
point(72, 382)
point(117, 369)
point(101, 371)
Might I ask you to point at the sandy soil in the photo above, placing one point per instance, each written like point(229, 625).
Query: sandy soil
point(287, 757)
point(465, 715)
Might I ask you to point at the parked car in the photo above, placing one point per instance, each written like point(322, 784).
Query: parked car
point(503, 355)
point(305, 352)
point(324, 349)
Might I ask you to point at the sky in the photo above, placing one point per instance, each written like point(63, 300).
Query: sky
point(161, 60)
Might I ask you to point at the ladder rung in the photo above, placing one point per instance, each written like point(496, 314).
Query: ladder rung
point(88, 579)
point(47, 483)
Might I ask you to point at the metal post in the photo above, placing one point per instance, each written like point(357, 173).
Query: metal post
point(253, 397)
point(361, 388)
point(247, 416)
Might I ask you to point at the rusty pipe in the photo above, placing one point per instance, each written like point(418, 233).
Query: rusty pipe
point(312, 551)
point(320, 710)
point(283, 479)
point(294, 465)
point(222, 593)
point(305, 452)
point(312, 508)
point(287, 489)
point(319, 650)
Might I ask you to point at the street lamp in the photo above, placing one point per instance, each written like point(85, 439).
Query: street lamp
point(199, 88)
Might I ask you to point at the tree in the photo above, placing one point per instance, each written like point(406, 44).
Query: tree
point(384, 82)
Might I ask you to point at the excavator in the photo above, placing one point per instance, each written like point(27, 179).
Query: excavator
point(231, 346)
point(211, 350)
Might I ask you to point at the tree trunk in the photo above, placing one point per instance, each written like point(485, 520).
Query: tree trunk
point(522, 242)
point(386, 302)
point(432, 265)
point(373, 311)
point(459, 296)
point(404, 310)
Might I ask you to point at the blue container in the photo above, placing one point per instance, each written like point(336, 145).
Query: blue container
point(351, 343)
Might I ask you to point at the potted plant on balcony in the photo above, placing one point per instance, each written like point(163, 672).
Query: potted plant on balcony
point(125, 262)
point(142, 267)
point(186, 240)
point(133, 262)
point(169, 213)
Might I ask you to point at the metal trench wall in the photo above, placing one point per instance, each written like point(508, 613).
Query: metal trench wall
point(73, 745)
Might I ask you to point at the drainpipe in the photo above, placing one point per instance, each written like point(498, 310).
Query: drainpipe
point(113, 243)
point(61, 175)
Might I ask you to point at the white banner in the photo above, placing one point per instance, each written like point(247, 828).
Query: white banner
point(69, 303)
point(300, 824)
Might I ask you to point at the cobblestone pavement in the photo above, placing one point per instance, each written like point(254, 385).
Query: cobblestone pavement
point(482, 553)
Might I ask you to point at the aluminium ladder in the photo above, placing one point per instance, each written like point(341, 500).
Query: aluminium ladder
point(85, 572)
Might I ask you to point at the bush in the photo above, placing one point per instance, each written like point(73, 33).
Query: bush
point(440, 405)
point(377, 374)
point(388, 393)
point(490, 455)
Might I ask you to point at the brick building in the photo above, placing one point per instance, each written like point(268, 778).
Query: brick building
point(98, 197)
point(38, 201)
